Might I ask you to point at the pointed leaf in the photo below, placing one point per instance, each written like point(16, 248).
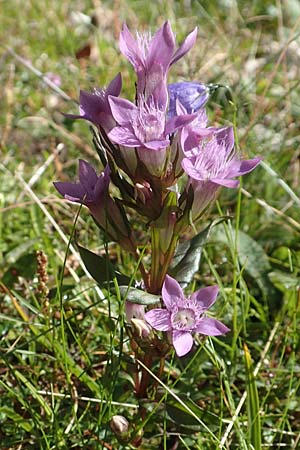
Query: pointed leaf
point(182, 417)
point(187, 257)
point(138, 296)
point(100, 267)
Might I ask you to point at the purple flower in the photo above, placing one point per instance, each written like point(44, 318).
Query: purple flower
point(216, 161)
point(184, 316)
point(212, 164)
point(92, 191)
point(151, 58)
point(95, 107)
point(191, 95)
point(145, 128)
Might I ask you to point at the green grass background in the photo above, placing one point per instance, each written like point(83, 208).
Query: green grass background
point(62, 375)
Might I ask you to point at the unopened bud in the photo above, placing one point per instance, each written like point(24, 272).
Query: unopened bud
point(134, 311)
point(141, 329)
point(120, 426)
point(143, 192)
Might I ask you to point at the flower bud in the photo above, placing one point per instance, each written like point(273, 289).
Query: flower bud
point(120, 426)
point(141, 329)
point(133, 310)
point(143, 192)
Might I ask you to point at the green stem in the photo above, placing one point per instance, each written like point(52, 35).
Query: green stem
point(167, 261)
point(155, 257)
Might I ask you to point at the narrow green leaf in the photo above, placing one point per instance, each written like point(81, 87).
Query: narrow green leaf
point(16, 418)
point(138, 296)
point(254, 425)
point(181, 415)
point(34, 393)
point(100, 268)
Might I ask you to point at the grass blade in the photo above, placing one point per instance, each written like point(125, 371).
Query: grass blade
point(254, 423)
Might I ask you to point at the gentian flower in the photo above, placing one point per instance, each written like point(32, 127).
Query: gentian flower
point(216, 161)
point(151, 58)
point(145, 128)
point(92, 191)
point(94, 106)
point(191, 95)
point(184, 316)
point(212, 164)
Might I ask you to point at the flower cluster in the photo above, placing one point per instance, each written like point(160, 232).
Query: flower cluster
point(145, 146)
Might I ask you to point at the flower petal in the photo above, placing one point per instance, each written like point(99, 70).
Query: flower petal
point(159, 319)
point(211, 327)
point(177, 122)
point(161, 47)
point(191, 95)
point(188, 166)
point(172, 293)
point(182, 341)
point(72, 191)
point(226, 182)
point(130, 48)
point(157, 145)
point(186, 45)
point(121, 109)
point(245, 166)
point(87, 176)
point(115, 86)
point(225, 136)
point(124, 136)
point(205, 297)
point(101, 186)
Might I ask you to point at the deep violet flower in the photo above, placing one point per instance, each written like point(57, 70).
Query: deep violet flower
point(92, 191)
point(151, 58)
point(191, 95)
point(145, 128)
point(94, 106)
point(184, 316)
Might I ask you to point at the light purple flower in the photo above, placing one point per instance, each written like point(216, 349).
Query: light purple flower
point(94, 106)
point(212, 164)
point(145, 128)
point(191, 95)
point(216, 161)
point(151, 58)
point(92, 191)
point(184, 316)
